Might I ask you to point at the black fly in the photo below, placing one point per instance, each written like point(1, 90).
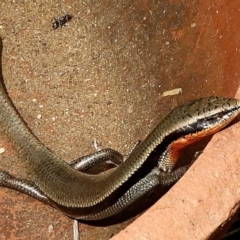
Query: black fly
point(61, 21)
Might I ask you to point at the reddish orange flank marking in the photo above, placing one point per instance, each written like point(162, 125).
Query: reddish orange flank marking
point(175, 148)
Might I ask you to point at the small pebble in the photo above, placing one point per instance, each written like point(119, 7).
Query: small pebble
point(2, 150)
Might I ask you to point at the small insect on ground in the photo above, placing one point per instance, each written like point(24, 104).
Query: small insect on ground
point(61, 21)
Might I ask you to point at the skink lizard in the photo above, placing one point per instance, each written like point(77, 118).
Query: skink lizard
point(92, 197)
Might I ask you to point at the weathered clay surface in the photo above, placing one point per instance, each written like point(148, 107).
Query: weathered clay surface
point(102, 76)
